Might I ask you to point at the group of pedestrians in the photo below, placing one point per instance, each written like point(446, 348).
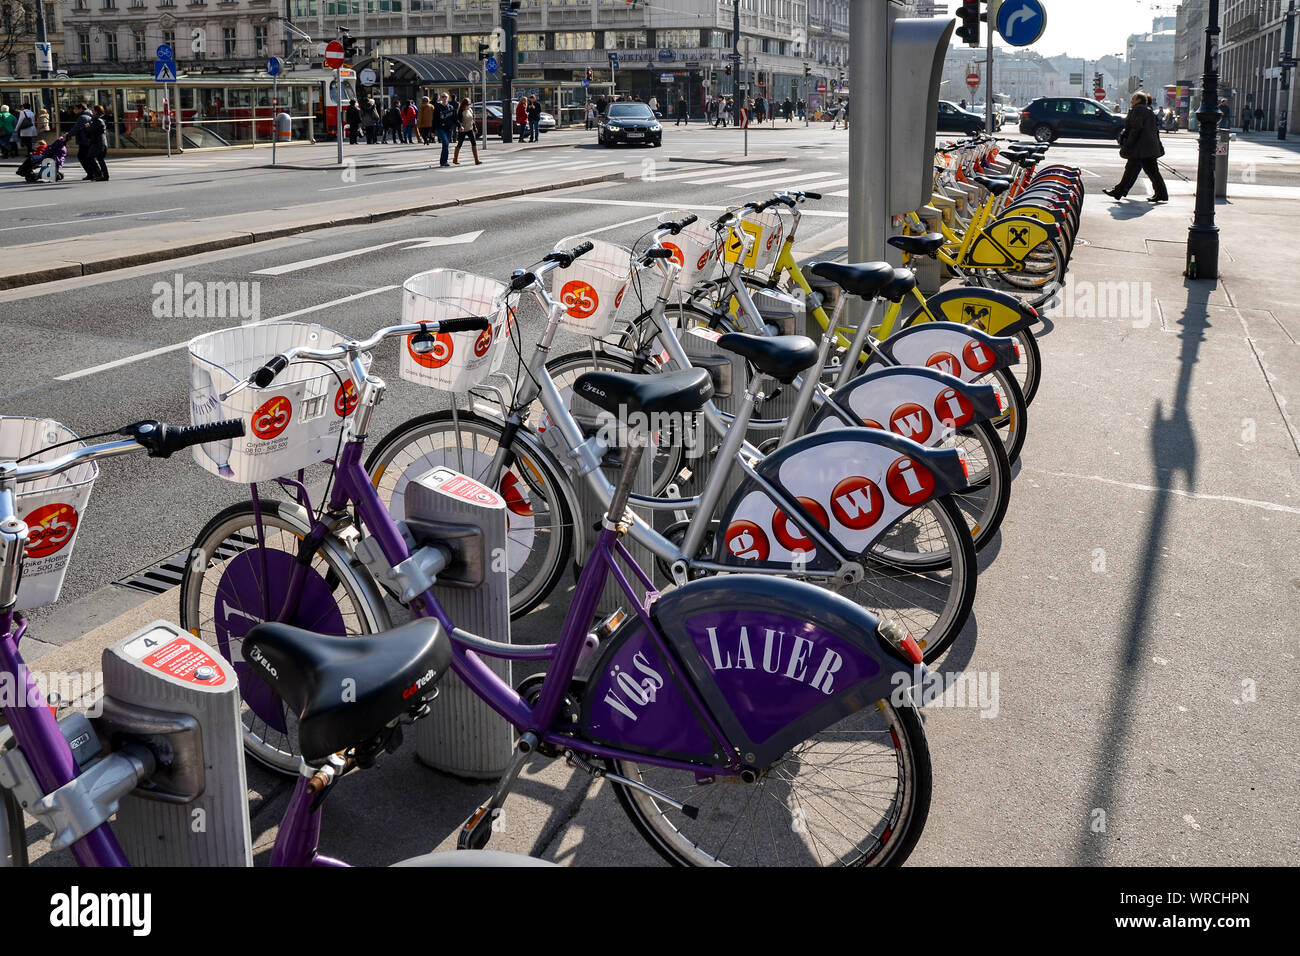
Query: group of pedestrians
point(430, 121)
point(528, 118)
point(24, 131)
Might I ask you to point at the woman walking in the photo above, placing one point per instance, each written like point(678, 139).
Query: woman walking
point(464, 132)
point(1140, 145)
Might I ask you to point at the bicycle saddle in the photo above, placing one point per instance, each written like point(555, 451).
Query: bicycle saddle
point(996, 185)
point(617, 392)
point(782, 357)
point(903, 282)
point(926, 245)
point(863, 278)
point(385, 673)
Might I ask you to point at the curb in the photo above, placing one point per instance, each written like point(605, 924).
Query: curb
point(335, 167)
point(73, 270)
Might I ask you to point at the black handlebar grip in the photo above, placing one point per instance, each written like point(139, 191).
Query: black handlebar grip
point(163, 441)
point(658, 253)
point(470, 323)
point(265, 375)
point(521, 281)
point(808, 195)
point(722, 220)
point(581, 250)
point(683, 223)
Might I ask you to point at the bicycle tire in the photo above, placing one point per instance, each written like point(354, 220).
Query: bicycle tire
point(680, 840)
point(228, 545)
point(1013, 424)
point(984, 503)
point(13, 832)
point(411, 449)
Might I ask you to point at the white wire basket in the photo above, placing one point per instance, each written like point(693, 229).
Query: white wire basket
point(291, 424)
point(459, 360)
point(694, 249)
point(767, 229)
point(591, 289)
point(51, 507)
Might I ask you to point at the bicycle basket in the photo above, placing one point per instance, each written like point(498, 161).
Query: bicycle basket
point(52, 507)
point(459, 360)
point(591, 289)
point(291, 424)
point(694, 249)
point(768, 230)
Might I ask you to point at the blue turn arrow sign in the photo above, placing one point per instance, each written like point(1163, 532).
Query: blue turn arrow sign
point(1021, 22)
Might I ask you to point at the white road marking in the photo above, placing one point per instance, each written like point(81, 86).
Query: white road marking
point(722, 179)
point(90, 219)
point(779, 180)
point(700, 172)
point(373, 182)
point(428, 242)
point(130, 359)
point(842, 194)
point(39, 205)
point(814, 213)
point(824, 184)
point(612, 162)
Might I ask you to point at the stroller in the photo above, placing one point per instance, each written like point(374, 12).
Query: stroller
point(30, 169)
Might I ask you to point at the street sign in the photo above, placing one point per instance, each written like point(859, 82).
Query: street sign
point(613, 59)
point(45, 56)
point(973, 80)
point(368, 77)
point(1076, 79)
point(334, 55)
point(1021, 22)
point(667, 77)
point(585, 82)
point(164, 71)
point(273, 66)
point(821, 87)
point(1100, 94)
point(492, 64)
point(164, 52)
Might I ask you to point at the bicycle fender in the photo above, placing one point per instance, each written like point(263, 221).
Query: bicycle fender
point(921, 404)
point(988, 310)
point(1009, 239)
point(853, 484)
point(774, 662)
point(949, 347)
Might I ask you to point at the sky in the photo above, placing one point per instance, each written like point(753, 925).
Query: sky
point(1092, 28)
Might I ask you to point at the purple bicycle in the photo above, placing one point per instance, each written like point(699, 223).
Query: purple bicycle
point(740, 719)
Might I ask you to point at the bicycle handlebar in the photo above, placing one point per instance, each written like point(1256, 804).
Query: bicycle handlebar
point(679, 225)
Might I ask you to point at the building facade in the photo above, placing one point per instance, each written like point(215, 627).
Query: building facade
point(18, 37)
point(1151, 57)
point(1249, 46)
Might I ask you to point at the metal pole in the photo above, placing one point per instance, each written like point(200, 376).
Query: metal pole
point(868, 142)
point(484, 68)
point(338, 113)
point(735, 59)
point(988, 82)
point(744, 97)
point(1203, 235)
point(275, 106)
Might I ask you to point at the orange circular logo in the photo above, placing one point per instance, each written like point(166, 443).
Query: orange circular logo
point(581, 299)
point(791, 535)
point(944, 362)
point(911, 421)
point(856, 503)
point(49, 528)
point(909, 482)
point(677, 253)
point(953, 408)
point(978, 357)
point(746, 540)
point(438, 357)
point(272, 418)
point(483, 342)
point(345, 399)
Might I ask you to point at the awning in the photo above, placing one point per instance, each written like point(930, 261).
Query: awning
point(422, 68)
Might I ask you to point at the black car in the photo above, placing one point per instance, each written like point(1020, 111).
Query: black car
point(1053, 117)
point(630, 123)
point(954, 119)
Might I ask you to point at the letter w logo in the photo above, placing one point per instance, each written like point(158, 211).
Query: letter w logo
point(910, 424)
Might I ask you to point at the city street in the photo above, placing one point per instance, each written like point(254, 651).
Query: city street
point(1135, 618)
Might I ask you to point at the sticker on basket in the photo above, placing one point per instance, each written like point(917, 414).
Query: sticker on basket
point(272, 418)
point(581, 299)
point(438, 356)
point(711, 334)
point(677, 254)
point(483, 342)
point(618, 299)
point(345, 399)
point(49, 528)
point(182, 660)
point(704, 258)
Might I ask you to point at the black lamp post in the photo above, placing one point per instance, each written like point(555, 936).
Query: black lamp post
point(1203, 235)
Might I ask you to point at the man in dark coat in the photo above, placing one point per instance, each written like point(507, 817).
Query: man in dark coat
point(352, 116)
point(1140, 145)
point(81, 132)
point(682, 113)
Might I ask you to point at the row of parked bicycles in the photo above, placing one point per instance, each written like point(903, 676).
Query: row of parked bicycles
point(789, 522)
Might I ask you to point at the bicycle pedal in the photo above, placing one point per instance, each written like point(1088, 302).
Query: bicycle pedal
point(477, 830)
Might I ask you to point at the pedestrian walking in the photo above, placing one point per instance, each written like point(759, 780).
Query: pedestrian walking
point(801, 108)
point(534, 117)
point(97, 144)
point(424, 121)
point(787, 110)
point(591, 114)
point(1259, 120)
point(653, 104)
point(521, 118)
point(465, 131)
point(682, 114)
point(81, 133)
point(839, 111)
point(392, 124)
point(8, 121)
point(25, 129)
point(42, 122)
point(445, 125)
point(1140, 145)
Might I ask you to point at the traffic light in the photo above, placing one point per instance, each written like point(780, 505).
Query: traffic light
point(484, 51)
point(349, 46)
point(1097, 83)
point(969, 15)
point(728, 69)
point(590, 75)
point(807, 71)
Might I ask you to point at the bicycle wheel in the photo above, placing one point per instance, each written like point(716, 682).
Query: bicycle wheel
point(984, 503)
point(856, 794)
point(1013, 423)
point(1044, 269)
point(669, 452)
point(13, 832)
point(921, 573)
point(238, 576)
point(540, 522)
point(1031, 360)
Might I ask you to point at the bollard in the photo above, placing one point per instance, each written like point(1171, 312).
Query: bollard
point(1221, 165)
point(462, 735)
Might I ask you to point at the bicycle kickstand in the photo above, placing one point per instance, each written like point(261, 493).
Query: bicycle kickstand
point(477, 830)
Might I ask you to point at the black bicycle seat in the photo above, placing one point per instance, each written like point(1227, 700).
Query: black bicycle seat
point(389, 673)
point(782, 357)
point(862, 278)
point(994, 184)
point(620, 392)
point(926, 245)
point(903, 282)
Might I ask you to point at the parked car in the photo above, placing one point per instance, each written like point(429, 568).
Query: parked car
point(545, 122)
point(1052, 117)
point(629, 123)
point(954, 119)
point(1010, 114)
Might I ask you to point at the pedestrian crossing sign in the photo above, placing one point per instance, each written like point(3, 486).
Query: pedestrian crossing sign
point(164, 71)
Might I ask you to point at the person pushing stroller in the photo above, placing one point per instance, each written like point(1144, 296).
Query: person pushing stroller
point(30, 169)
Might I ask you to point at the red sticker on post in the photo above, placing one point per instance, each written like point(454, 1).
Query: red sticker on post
point(182, 660)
